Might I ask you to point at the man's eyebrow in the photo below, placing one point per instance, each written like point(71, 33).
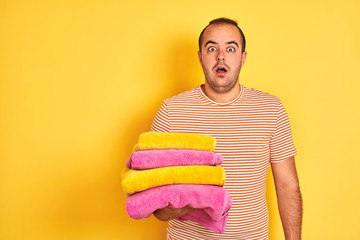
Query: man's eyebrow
point(233, 42)
point(210, 42)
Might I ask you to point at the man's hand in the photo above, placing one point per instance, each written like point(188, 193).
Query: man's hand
point(167, 213)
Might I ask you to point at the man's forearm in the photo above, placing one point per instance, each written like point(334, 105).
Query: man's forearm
point(291, 211)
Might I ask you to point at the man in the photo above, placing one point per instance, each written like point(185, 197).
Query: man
point(252, 131)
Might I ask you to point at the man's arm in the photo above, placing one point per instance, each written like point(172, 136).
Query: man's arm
point(167, 213)
point(289, 197)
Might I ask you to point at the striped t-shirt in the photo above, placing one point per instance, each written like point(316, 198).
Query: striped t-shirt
point(251, 131)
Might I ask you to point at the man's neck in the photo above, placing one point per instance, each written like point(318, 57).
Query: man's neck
point(221, 97)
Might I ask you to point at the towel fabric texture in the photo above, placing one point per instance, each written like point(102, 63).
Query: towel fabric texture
point(170, 140)
point(140, 180)
point(212, 203)
point(200, 216)
point(148, 159)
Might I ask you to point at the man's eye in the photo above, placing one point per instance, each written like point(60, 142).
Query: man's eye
point(211, 49)
point(231, 49)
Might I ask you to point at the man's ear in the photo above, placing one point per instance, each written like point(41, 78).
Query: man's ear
point(243, 58)
point(199, 56)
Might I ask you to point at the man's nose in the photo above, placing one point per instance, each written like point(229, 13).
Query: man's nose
point(221, 56)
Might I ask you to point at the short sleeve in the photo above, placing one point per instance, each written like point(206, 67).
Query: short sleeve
point(281, 142)
point(161, 121)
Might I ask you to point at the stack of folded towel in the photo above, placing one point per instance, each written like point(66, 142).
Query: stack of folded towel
point(175, 170)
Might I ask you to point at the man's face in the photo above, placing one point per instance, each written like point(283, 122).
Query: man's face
point(221, 57)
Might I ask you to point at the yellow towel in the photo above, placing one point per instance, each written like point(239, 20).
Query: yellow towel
point(167, 140)
point(140, 180)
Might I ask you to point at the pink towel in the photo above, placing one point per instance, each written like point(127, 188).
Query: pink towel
point(201, 217)
point(147, 159)
point(212, 203)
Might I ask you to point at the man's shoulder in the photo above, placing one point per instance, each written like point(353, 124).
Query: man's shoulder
point(258, 95)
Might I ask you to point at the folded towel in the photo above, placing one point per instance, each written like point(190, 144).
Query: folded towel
point(148, 159)
point(140, 180)
point(212, 203)
point(201, 217)
point(167, 140)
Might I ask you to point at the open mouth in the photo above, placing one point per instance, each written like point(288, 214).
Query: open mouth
point(221, 70)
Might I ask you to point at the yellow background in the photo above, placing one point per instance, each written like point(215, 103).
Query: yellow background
point(80, 80)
